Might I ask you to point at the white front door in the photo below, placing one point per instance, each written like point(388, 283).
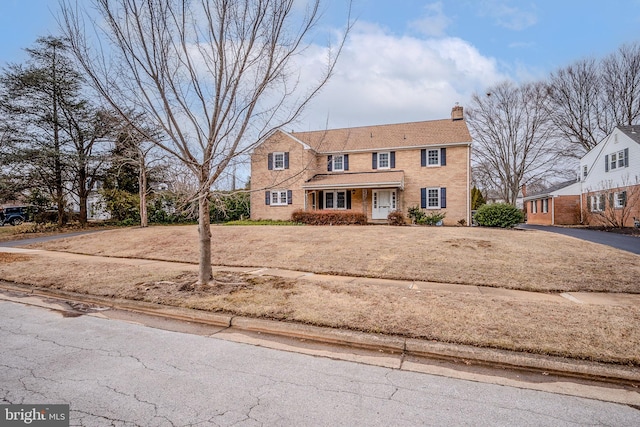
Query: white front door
point(384, 201)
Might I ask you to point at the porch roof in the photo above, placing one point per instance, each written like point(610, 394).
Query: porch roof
point(378, 179)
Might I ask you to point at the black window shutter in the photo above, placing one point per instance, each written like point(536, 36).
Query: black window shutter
point(345, 162)
point(423, 157)
point(443, 197)
point(606, 163)
point(286, 160)
point(374, 160)
point(320, 200)
point(443, 157)
point(329, 163)
point(289, 197)
point(267, 197)
point(392, 160)
point(348, 199)
point(270, 161)
point(423, 198)
point(626, 157)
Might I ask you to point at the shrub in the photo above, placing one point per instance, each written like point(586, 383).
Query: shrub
point(416, 214)
point(395, 218)
point(499, 215)
point(432, 218)
point(328, 217)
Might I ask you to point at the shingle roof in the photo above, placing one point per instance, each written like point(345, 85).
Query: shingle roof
point(632, 132)
point(402, 135)
point(551, 189)
point(356, 180)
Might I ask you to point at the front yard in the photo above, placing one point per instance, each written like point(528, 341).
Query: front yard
point(530, 260)
point(515, 259)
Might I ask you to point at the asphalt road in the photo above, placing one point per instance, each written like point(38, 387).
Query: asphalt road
point(124, 374)
point(619, 241)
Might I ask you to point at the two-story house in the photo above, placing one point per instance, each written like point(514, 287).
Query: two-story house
point(610, 179)
point(371, 169)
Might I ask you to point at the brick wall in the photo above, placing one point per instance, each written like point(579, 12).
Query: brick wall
point(304, 164)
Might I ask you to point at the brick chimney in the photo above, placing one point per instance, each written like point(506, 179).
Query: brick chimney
point(457, 112)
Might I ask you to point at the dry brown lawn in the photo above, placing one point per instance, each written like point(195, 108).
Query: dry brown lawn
point(506, 258)
point(515, 259)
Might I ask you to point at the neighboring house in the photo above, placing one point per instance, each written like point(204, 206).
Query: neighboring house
point(96, 210)
point(610, 179)
point(372, 169)
point(556, 205)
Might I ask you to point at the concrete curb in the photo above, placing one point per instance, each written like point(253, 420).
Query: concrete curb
point(617, 374)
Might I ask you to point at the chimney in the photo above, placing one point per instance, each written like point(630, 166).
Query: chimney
point(456, 113)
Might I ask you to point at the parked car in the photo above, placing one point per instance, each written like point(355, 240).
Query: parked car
point(15, 215)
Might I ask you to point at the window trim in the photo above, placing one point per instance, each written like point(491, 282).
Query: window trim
point(334, 200)
point(275, 161)
point(620, 199)
point(278, 197)
point(534, 206)
point(379, 164)
point(437, 158)
point(333, 163)
point(545, 206)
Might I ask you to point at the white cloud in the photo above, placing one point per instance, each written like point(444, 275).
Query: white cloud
point(384, 78)
point(434, 23)
point(509, 16)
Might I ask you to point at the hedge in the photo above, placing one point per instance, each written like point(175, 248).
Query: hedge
point(328, 217)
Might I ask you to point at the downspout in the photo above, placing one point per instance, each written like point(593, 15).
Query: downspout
point(553, 210)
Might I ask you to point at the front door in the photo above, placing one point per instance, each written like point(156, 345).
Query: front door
point(384, 201)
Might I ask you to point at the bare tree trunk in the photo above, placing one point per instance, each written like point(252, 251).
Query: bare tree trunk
point(142, 190)
point(205, 273)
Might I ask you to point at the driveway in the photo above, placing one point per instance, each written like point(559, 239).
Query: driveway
point(41, 239)
point(618, 241)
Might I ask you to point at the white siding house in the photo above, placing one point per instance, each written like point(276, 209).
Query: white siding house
point(610, 179)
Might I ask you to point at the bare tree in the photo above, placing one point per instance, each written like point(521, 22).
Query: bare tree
point(576, 106)
point(613, 206)
point(621, 84)
point(513, 135)
point(214, 75)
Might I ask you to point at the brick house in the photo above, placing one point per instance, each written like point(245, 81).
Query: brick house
point(556, 205)
point(371, 169)
point(610, 179)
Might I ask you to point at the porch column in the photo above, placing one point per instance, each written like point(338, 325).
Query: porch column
point(364, 201)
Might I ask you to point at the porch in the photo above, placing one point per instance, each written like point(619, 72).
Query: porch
point(375, 194)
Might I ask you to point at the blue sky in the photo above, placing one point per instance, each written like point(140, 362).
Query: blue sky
point(409, 60)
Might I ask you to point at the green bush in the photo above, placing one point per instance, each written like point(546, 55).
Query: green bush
point(499, 215)
point(329, 217)
point(229, 207)
point(432, 218)
point(395, 218)
point(416, 214)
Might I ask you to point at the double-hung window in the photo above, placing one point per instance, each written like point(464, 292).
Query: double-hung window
point(279, 197)
point(338, 162)
point(545, 205)
point(433, 198)
point(433, 157)
point(620, 200)
point(383, 160)
point(278, 161)
point(617, 160)
point(534, 206)
point(597, 203)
